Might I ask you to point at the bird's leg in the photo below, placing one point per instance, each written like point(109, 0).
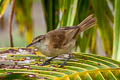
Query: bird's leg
point(48, 61)
point(65, 62)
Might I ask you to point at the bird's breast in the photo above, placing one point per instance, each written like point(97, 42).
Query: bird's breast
point(50, 51)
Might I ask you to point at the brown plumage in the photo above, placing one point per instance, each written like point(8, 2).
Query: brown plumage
point(62, 40)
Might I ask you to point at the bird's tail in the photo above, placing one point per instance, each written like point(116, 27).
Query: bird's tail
point(85, 24)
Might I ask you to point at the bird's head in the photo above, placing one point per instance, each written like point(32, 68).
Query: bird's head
point(36, 41)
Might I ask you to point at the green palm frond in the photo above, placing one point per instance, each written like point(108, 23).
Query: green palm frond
point(82, 66)
point(116, 46)
point(105, 29)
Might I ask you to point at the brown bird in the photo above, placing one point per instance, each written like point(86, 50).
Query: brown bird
point(61, 41)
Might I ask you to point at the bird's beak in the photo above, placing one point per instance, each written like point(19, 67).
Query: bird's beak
point(30, 45)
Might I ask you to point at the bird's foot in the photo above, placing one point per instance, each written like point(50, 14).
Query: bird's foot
point(48, 61)
point(45, 63)
point(65, 62)
point(62, 65)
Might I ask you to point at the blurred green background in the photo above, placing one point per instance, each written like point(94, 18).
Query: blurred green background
point(36, 17)
point(39, 25)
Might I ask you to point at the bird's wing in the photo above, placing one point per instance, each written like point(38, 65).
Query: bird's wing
point(69, 33)
point(56, 38)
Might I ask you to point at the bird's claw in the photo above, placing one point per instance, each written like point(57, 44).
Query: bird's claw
point(62, 65)
point(45, 63)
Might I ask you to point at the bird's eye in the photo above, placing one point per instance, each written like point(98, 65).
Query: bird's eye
point(39, 40)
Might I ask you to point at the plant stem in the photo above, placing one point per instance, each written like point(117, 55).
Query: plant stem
point(10, 23)
point(116, 46)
